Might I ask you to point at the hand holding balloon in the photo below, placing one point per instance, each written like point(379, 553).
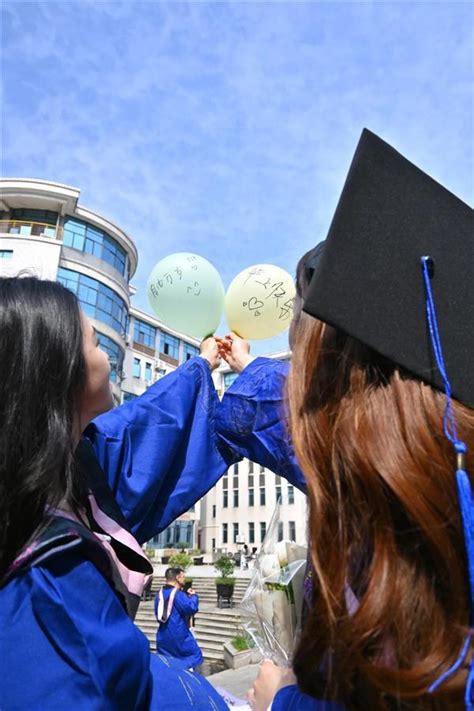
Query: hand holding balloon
point(210, 350)
point(259, 302)
point(235, 351)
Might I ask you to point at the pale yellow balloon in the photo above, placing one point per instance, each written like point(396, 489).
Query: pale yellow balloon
point(259, 302)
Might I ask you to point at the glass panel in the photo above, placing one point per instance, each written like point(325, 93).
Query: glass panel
point(144, 333)
point(136, 368)
point(229, 379)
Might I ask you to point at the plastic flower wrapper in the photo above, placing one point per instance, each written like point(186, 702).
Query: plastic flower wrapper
point(273, 602)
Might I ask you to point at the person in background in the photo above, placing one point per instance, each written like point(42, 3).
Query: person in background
point(381, 396)
point(173, 610)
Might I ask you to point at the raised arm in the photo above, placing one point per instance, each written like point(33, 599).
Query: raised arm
point(160, 452)
point(252, 416)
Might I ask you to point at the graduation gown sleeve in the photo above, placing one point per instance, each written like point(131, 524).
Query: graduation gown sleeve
point(290, 698)
point(160, 451)
point(252, 419)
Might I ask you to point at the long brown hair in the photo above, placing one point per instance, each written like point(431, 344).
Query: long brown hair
point(384, 525)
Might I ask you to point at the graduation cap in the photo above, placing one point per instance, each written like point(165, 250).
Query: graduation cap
point(397, 273)
point(368, 281)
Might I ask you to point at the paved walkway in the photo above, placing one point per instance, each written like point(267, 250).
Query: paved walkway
point(237, 681)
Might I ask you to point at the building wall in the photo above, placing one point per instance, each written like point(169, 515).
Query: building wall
point(36, 256)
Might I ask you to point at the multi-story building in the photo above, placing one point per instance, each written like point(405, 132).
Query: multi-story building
point(46, 232)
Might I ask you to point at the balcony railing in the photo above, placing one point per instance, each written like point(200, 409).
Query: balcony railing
point(27, 229)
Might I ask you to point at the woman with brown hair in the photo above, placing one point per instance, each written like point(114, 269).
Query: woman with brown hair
point(381, 416)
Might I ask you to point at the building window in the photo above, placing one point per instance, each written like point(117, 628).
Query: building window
point(6, 253)
point(190, 351)
point(169, 345)
point(235, 532)
point(250, 467)
point(115, 354)
point(148, 372)
point(229, 379)
point(225, 498)
point(144, 333)
point(278, 493)
point(251, 532)
point(225, 482)
point(213, 510)
point(262, 469)
point(291, 531)
point(280, 530)
point(136, 368)
point(291, 494)
point(250, 480)
point(236, 498)
point(236, 469)
point(126, 397)
point(251, 497)
point(236, 482)
point(97, 300)
point(33, 215)
point(263, 498)
point(261, 479)
point(263, 530)
point(35, 222)
point(225, 534)
point(92, 240)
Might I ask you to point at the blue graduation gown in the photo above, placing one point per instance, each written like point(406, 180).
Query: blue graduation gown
point(65, 638)
point(174, 638)
point(290, 698)
point(252, 419)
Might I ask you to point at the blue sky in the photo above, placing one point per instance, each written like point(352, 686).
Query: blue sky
point(227, 128)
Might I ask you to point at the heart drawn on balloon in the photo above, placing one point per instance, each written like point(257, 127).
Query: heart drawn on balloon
point(253, 303)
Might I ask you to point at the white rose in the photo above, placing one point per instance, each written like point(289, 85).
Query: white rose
point(269, 565)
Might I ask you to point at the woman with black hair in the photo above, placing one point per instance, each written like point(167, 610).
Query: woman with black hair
point(74, 509)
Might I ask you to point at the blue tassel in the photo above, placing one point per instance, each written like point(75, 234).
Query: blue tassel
point(466, 504)
point(465, 494)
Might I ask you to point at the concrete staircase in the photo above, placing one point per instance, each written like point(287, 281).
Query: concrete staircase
point(213, 626)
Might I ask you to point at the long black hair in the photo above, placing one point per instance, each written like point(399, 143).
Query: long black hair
point(42, 378)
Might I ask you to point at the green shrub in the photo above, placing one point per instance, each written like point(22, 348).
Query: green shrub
point(225, 581)
point(240, 643)
point(224, 566)
point(180, 560)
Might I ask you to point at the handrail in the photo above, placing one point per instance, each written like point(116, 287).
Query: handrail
point(36, 228)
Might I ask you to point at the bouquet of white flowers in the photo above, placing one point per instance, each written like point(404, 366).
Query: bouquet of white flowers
point(273, 601)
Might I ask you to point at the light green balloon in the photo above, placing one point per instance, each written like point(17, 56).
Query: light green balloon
point(187, 294)
point(259, 302)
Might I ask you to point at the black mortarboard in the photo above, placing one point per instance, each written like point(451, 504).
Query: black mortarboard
point(368, 281)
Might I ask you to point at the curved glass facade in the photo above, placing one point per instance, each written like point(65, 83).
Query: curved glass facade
point(97, 300)
point(115, 353)
point(92, 240)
